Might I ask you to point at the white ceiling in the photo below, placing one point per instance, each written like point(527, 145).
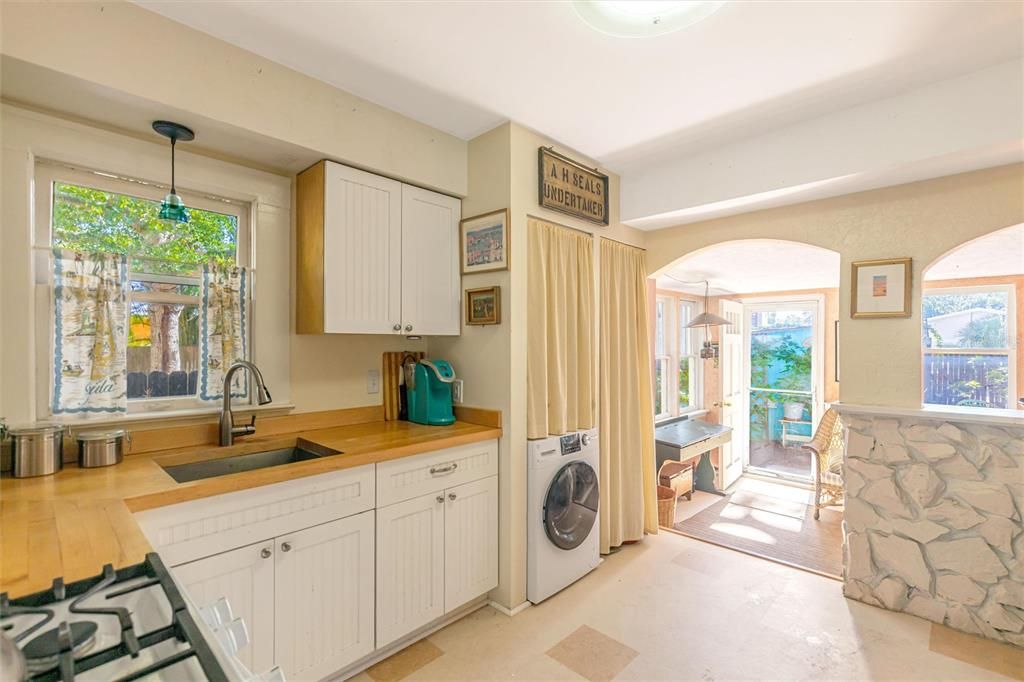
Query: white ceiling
point(998, 253)
point(464, 67)
point(753, 266)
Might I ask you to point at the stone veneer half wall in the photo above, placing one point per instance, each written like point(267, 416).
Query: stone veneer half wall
point(932, 522)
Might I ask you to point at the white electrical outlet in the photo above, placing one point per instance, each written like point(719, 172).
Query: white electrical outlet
point(373, 381)
point(457, 391)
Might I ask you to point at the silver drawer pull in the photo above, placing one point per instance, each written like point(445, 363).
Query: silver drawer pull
point(446, 469)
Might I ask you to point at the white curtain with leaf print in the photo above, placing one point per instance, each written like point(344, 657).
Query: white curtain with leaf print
point(223, 330)
point(90, 363)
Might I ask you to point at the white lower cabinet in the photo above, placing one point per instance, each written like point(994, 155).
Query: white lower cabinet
point(410, 566)
point(435, 553)
point(352, 561)
point(323, 597)
point(470, 541)
point(245, 576)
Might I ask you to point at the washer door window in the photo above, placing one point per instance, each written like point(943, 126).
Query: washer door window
point(570, 508)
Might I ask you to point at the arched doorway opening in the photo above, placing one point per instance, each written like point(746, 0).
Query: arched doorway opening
point(765, 378)
point(972, 308)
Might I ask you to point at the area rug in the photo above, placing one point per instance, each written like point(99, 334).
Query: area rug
point(773, 529)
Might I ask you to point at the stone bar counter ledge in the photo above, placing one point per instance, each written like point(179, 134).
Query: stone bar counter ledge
point(934, 501)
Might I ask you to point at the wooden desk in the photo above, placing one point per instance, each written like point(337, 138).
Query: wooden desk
point(684, 439)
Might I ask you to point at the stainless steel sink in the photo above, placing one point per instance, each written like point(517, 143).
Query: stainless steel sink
point(194, 471)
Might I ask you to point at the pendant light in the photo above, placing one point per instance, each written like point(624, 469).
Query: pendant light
point(706, 319)
point(172, 208)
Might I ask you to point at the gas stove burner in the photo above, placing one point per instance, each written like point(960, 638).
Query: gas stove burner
point(43, 652)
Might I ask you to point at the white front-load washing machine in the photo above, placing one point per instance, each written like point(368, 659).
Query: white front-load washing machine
point(563, 493)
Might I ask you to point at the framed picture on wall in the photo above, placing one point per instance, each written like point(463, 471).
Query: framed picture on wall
point(485, 242)
point(483, 306)
point(881, 288)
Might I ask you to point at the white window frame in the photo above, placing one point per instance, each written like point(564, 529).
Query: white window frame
point(1010, 351)
point(46, 174)
point(671, 356)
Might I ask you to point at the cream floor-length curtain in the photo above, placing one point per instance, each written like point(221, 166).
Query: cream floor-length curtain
point(560, 330)
point(629, 505)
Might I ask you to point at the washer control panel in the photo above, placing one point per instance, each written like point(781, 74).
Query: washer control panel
point(571, 444)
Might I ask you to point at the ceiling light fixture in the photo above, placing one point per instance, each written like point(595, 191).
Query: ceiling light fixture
point(172, 208)
point(709, 349)
point(643, 18)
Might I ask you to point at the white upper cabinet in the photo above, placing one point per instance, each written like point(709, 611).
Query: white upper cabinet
point(374, 256)
point(430, 262)
point(362, 252)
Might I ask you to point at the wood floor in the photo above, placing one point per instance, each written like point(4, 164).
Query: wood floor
point(771, 521)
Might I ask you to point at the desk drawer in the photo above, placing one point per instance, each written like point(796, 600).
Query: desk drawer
point(404, 479)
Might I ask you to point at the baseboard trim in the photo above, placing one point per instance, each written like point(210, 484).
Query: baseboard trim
point(413, 637)
point(510, 612)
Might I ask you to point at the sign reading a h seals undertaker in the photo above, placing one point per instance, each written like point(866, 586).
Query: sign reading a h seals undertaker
point(568, 187)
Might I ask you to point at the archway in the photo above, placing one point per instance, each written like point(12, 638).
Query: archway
point(769, 373)
point(972, 317)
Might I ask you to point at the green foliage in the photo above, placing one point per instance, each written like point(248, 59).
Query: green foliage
point(783, 364)
point(684, 383)
point(93, 220)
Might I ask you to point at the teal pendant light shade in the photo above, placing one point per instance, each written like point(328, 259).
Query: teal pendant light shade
point(172, 208)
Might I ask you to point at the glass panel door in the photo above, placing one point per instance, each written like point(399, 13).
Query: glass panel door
point(781, 345)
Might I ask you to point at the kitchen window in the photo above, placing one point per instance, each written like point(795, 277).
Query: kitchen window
point(93, 212)
point(968, 345)
point(677, 369)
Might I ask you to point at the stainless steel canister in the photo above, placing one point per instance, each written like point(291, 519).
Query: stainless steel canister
point(37, 449)
point(101, 448)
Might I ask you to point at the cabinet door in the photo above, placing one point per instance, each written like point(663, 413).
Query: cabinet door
point(410, 566)
point(324, 597)
point(362, 252)
point(431, 291)
point(470, 541)
point(246, 578)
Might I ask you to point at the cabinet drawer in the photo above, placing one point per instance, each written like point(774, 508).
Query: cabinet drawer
point(191, 530)
point(404, 479)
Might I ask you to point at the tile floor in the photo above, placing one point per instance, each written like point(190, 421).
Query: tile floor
point(675, 608)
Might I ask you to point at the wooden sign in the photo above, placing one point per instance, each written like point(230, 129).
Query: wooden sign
point(571, 188)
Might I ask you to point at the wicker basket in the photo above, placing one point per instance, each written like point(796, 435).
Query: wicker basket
point(666, 506)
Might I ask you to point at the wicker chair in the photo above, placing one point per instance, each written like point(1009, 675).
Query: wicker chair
point(827, 449)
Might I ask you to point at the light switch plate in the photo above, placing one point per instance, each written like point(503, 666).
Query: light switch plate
point(373, 381)
point(457, 391)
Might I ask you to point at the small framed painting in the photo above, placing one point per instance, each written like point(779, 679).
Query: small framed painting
point(881, 288)
point(483, 306)
point(485, 242)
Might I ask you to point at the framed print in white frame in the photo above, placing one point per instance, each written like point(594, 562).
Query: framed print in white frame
point(484, 242)
point(881, 288)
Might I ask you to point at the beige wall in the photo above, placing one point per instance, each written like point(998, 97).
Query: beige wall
point(880, 359)
point(126, 48)
point(492, 360)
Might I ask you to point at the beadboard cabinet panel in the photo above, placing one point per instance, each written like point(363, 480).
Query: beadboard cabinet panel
point(410, 566)
point(470, 541)
point(430, 262)
point(246, 578)
point(362, 252)
point(324, 598)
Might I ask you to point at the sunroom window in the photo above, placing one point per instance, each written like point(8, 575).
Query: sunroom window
point(676, 366)
point(92, 213)
point(968, 336)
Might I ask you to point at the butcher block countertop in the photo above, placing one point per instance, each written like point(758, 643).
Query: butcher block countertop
point(72, 523)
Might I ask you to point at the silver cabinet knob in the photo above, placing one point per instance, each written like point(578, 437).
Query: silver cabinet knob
point(451, 496)
point(440, 498)
point(286, 546)
point(408, 327)
point(397, 328)
point(266, 553)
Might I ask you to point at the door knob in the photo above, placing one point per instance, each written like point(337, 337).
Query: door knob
point(397, 328)
point(266, 553)
point(408, 327)
point(724, 403)
point(451, 496)
point(440, 498)
point(286, 546)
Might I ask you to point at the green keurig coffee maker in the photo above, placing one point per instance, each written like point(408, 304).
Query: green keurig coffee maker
point(428, 388)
